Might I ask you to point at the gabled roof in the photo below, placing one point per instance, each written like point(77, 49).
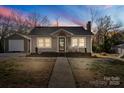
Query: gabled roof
point(49, 30)
point(120, 46)
point(22, 35)
point(61, 30)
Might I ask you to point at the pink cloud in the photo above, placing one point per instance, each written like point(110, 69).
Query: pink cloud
point(14, 14)
point(73, 19)
point(5, 11)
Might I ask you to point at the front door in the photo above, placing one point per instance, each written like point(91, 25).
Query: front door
point(61, 44)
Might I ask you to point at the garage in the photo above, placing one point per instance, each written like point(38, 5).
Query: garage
point(17, 43)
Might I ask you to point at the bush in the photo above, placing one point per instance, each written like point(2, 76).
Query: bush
point(97, 48)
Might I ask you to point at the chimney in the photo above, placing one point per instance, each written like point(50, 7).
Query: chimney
point(89, 26)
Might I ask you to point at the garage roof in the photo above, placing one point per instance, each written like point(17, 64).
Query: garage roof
point(120, 46)
point(22, 35)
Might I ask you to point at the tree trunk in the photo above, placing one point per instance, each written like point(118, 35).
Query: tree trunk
point(2, 46)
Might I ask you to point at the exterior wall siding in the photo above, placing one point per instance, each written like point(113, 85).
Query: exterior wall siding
point(121, 51)
point(54, 47)
point(34, 45)
point(83, 50)
point(89, 44)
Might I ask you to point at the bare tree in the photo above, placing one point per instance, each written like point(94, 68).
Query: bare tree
point(5, 25)
point(93, 17)
point(9, 24)
point(93, 14)
point(45, 21)
point(20, 22)
point(105, 27)
point(57, 21)
point(36, 19)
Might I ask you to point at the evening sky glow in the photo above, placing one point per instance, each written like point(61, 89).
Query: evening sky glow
point(68, 14)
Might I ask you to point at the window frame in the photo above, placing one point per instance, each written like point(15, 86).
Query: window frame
point(72, 45)
point(44, 42)
point(78, 42)
point(84, 42)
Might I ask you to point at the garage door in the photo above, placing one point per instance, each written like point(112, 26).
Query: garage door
point(16, 45)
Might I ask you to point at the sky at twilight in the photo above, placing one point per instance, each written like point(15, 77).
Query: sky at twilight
point(68, 14)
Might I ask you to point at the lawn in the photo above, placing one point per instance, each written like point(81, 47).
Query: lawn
point(97, 72)
point(26, 72)
point(31, 72)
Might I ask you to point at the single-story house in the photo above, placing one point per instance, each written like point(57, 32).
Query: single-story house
point(52, 39)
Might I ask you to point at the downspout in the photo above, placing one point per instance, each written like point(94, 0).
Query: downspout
point(30, 45)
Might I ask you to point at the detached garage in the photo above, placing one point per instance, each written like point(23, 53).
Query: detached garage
point(120, 49)
point(17, 43)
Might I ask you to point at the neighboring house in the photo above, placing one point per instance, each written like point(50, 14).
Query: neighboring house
point(119, 49)
point(52, 39)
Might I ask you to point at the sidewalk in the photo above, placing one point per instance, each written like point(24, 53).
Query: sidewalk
point(62, 76)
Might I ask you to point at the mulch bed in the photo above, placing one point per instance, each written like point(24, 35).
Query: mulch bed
point(55, 54)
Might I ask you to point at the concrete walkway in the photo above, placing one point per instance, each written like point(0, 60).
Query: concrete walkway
point(62, 76)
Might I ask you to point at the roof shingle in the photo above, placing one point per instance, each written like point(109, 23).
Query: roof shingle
point(48, 30)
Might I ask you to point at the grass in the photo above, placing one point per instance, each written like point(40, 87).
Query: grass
point(110, 68)
point(25, 72)
point(87, 70)
point(30, 72)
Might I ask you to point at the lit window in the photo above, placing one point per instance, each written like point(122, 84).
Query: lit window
point(79, 42)
point(47, 42)
point(82, 42)
point(74, 42)
point(44, 42)
point(40, 42)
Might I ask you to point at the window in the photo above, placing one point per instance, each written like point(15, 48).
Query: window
point(74, 42)
point(82, 42)
point(44, 42)
point(48, 42)
point(79, 42)
point(40, 42)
